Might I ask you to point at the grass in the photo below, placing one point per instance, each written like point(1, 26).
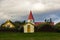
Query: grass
point(33, 36)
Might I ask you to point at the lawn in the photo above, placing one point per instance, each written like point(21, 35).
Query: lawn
point(33, 36)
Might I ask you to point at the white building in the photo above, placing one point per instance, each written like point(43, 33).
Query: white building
point(29, 26)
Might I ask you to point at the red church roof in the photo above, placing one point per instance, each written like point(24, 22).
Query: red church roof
point(38, 23)
point(30, 16)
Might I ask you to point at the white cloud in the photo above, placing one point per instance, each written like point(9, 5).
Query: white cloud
point(13, 5)
point(12, 9)
point(4, 16)
point(56, 21)
point(38, 7)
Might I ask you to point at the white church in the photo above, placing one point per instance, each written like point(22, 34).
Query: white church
point(29, 26)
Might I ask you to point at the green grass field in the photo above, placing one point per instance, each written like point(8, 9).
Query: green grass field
point(34, 36)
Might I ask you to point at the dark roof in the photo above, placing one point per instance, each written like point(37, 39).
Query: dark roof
point(8, 21)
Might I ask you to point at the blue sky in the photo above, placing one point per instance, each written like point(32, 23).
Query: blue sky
point(19, 10)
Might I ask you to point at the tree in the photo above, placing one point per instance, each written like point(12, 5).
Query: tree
point(45, 27)
point(57, 27)
point(45, 20)
point(50, 19)
point(19, 25)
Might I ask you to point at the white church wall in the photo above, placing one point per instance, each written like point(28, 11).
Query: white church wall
point(31, 28)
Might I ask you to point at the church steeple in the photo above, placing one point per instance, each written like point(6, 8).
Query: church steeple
point(30, 17)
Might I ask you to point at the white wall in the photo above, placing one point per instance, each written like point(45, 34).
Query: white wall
point(31, 28)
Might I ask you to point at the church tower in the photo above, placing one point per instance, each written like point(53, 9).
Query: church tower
point(30, 18)
point(29, 26)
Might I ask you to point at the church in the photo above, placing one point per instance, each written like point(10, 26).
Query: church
point(29, 26)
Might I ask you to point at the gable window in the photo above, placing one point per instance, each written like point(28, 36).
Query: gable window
point(8, 26)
